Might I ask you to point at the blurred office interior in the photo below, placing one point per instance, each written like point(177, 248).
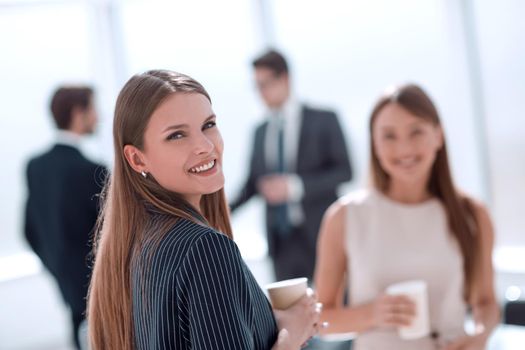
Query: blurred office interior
point(468, 54)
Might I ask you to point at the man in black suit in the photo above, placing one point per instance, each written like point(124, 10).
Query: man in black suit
point(62, 205)
point(298, 160)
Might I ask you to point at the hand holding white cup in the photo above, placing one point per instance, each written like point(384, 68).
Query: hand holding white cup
point(296, 308)
point(416, 290)
point(284, 294)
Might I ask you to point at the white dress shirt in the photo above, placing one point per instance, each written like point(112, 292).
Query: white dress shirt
point(290, 115)
point(68, 138)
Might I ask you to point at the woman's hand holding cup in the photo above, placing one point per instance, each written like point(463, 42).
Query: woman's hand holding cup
point(392, 311)
point(300, 319)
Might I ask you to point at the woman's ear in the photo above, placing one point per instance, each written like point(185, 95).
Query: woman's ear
point(135, 158)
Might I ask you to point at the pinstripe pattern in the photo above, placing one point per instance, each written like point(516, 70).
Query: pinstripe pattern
point(192, 290)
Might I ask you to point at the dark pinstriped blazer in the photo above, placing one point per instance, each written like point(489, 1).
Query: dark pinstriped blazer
point(192, 290)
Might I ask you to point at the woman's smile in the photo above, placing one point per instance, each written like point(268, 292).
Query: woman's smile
point(206, 168)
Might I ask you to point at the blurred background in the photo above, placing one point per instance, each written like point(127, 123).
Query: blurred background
point(469, 55)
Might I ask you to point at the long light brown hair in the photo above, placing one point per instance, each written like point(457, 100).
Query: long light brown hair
point(127, 198)
point(459, 208)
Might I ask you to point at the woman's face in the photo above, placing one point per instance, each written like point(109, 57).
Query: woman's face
point(183, 147)
point(406, 145)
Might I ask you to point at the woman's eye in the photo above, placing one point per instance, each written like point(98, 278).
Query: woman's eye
point(416, 132)
point(389, 136)
point(175, 136)
point(209, 124)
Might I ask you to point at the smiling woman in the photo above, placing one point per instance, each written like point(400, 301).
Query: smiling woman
point(412, 225)
point(167, 273)
point(183, 125)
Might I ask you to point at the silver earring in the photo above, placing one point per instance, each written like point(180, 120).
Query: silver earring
point(144, 174)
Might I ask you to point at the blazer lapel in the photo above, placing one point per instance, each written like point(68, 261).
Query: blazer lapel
point(302, 147)
point(260, 150)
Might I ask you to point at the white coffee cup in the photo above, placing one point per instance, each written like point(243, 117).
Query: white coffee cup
point(284, 294)
point(416, 290)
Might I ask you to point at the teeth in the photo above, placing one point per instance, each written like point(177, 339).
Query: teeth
point(204, 167)
point(407, 161)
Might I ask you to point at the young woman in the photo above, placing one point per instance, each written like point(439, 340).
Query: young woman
point(167, 273)
point(412, 224)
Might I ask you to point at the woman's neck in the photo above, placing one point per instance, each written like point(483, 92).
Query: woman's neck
point(195, 201)
point(409, 193)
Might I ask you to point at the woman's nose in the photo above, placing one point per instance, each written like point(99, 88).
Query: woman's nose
point(203, 144)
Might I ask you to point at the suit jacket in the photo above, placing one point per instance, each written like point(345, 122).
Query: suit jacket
point(322, 164)
point(61, 211)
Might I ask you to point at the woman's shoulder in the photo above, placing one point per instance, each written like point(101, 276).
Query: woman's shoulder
point(474, 202)
point(191, 228)
point(478, 208)
point(192, 233)
point(209, 255)
point(357, 199)
point(180, 239)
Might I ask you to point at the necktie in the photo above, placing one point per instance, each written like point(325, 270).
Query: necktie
point(282, 222)
point(280, 148)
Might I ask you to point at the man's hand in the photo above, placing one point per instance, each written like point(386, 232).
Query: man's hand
point(274, 188)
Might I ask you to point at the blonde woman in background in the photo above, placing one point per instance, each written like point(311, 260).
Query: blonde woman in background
point(412, 224)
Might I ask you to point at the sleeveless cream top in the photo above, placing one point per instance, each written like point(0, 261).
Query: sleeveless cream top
point(389, 242)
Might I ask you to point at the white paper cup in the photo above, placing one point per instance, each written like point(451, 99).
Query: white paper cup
point(284, 294)
point(416, 290)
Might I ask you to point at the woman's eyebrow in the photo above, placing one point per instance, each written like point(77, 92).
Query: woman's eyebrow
point(177, 126)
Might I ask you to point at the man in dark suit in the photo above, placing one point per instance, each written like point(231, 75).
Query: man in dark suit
point(298, 160)
point(62, 204)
